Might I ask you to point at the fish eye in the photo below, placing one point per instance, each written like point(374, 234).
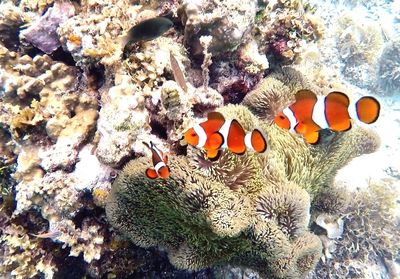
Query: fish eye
point(193, 134)
point(281, 117)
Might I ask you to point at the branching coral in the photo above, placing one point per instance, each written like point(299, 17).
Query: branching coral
point(87, 240)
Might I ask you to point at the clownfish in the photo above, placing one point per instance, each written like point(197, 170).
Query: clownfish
point(160, 161)
point(309, 114)
point(217, 133)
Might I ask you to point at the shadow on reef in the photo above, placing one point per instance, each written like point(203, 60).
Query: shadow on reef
point(149, 263)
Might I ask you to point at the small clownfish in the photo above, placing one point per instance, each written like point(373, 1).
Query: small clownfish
point(160, 161)
point(217, 133)
point(309, 114)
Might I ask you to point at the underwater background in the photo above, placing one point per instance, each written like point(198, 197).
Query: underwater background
point(94, 94)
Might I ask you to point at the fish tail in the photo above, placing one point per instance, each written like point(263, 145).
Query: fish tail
point(367, 109)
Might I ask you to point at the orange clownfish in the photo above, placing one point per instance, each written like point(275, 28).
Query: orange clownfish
point(309, 114)
point(217, 133)
point(160, 161)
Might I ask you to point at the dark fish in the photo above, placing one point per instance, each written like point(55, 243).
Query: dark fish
point(178, 74)
point(149, 29)
point(145, 31)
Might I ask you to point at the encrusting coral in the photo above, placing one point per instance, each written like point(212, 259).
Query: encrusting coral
point(121, 121)
point(148, 64)
point(91, 35)
point(251, 210)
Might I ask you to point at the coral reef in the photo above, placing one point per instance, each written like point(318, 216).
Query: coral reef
point(147, 65)
point(75, 107)
point(22, 256)
point(251, 210)
point(283, 28)
point(389, 68)
point(11, 19)
point(121, 122)
point(38, 7)
point(25, 76)
point(359, 44)
point(43, 33)
point(91, 35)
point(227, 22)
point(368, 241)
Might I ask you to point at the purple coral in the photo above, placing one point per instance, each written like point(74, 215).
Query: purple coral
point(43, 33)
